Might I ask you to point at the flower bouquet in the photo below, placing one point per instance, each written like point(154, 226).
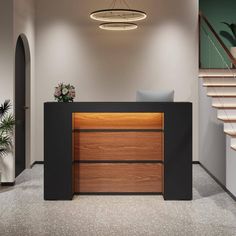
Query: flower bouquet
point(64, 93)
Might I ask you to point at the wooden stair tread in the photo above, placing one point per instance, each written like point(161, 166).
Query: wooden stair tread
point(217, 73)
point(227, 120)
point(220, 85)
point(224, 107)
point(230, 133)
point(222, 96)
point(221, 78)
point(233, 147)
point(217, 76)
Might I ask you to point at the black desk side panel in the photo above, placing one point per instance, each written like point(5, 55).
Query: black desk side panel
point(57, 153)
point(58, 180)
point(178, 153)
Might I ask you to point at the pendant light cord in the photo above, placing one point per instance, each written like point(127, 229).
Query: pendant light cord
point(122, 2)
point(113, 4)
point(126, 4)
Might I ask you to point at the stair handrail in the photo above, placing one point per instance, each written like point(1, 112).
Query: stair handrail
point(220, 41)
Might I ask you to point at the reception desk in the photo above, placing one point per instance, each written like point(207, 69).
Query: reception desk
point(118, 148)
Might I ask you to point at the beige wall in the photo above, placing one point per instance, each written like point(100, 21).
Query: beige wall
point(6, 75)
point(104, 66)
point(111, 66)
point(230, 167)
point(17, 17)
point(212, 140)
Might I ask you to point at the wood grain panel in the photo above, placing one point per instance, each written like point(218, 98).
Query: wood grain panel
point(118, 146)
point(118, 120)
point(118, 178)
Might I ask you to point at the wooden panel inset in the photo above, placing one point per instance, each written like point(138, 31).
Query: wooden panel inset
point(118, 178)
point(118, 120)
point(118, 146)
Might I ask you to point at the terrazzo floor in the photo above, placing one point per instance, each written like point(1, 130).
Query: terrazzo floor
point(23, 212)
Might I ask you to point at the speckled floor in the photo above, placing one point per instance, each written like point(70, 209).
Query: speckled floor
point(23, 212)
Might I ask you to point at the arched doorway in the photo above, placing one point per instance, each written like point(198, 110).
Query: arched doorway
point(22, 97)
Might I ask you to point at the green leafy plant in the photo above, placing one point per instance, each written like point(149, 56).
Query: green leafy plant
point(230, 37)
point(7, 123)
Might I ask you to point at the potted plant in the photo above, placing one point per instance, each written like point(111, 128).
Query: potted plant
point(64, 93)
point(7, 123)
point(230, 37)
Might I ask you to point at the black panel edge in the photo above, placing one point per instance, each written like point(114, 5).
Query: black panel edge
point(116, 162)
point(218, 182)
point(108, 161)
point(8, 184)
point(36, 163)
point(58, 199)
point(196, 162)
point(176, 200)
point(161, 162)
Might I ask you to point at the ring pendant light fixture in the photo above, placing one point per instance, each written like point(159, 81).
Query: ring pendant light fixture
point(118, 15)
point(118, 26)
point(118, 18)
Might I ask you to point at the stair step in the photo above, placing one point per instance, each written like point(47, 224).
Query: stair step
point(217, 73)
point(223, 108)
point(233, 143)
point(217, 76)
point(230, 129)
point(224, 102)
point(219, 82)
point(218, 85)
point(233, 147)
point(226, 115)
point(230, 133)
point(227, 120)
point(221, 92)
point(221, 96)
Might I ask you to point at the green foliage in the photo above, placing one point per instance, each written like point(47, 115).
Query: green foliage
point(230, 37)
point(5, 145)
point(4, 108)
point(7, 123)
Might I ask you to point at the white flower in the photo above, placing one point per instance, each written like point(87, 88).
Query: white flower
point(65, 91)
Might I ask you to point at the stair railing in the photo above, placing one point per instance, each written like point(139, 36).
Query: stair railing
point(202, 17)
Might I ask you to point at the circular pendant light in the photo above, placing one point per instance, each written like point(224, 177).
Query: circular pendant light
point(118, 15)
point(118, 19)
point(118, 26)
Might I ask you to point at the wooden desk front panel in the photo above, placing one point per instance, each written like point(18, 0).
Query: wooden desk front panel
point(118, 146)
point(118, 178)
point(120, 138)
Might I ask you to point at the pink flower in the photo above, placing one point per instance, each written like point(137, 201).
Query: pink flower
point(57, 92)
point(72, 93)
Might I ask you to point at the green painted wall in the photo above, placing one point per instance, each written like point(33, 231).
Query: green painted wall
point(216, 11)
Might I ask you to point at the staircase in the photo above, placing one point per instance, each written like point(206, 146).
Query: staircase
point(220, 83)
